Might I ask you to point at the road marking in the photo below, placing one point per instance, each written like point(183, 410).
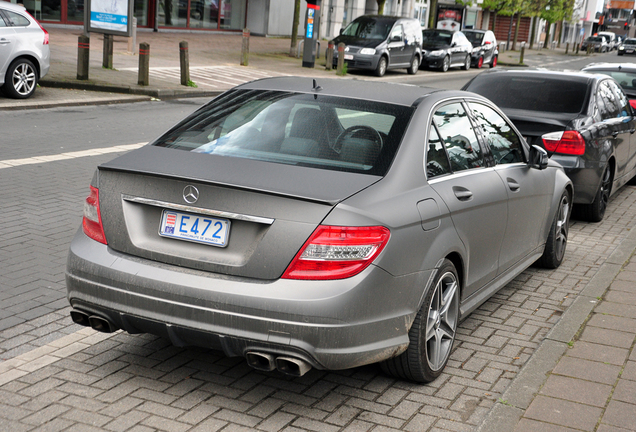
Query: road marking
point(50, 353)
point(211, 76)
point(9, 163)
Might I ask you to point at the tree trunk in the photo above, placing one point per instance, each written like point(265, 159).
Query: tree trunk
point(432, 14)
point(514, 41)
point(547, 34)
point(293, 49)
point(494, 22)
point(560, 33)
point(381, 6)
point(533, 33)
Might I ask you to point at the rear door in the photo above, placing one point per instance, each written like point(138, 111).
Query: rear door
point(7, 44)
point(397, 48)
point(624, 128)
point(472, 191)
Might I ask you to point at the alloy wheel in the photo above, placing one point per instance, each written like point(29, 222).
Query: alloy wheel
point(24, 79)
point(562, 227)
point(441, 325)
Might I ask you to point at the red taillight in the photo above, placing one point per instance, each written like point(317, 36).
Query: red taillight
point(564, 142)
point(92, 222)
point(487, 43)
point(335, 252)
point(632, 103)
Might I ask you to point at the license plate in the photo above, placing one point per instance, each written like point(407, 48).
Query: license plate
point(348, 56)
point(629, 51)
point(199, 229)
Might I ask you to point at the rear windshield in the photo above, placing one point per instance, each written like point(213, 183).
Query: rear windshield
point(533, 93)
point(369, 28)
point(298, 129)
point(627, 80)
point(595, 38)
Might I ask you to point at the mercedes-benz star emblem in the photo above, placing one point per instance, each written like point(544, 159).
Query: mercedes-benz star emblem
point(190, 194)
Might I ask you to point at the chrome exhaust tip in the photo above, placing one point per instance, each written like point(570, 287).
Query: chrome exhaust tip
point(260, 361)
point(80, 318)
point(292, 366)
point(101, 325)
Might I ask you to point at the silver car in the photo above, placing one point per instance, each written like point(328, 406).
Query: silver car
point(24, 51)
point(326, 224)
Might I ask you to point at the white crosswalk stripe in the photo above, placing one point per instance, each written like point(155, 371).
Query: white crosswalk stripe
point(211, 76)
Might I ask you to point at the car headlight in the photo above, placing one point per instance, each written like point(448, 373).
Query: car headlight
point(620, 48)
point(367, 51)
point(437, 53)
point(476, 50)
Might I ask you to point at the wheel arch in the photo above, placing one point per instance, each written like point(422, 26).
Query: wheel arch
point(32, 59)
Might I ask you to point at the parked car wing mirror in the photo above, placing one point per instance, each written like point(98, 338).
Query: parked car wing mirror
point(538, 157)
point(341, 31)
point(396, 38)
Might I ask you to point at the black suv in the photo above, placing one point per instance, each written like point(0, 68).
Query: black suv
point(379, 43)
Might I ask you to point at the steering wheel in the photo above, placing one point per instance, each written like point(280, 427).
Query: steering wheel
point(359, 131)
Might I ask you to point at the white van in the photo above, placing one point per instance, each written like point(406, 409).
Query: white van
point(611, 39)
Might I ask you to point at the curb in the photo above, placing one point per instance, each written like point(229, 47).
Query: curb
point(504, 415)
point(150, 92)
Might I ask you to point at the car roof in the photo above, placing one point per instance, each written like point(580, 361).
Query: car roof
point(12, 6)
point(392, 93)
point(475, 31)
point(579, 76)
point(631, 67)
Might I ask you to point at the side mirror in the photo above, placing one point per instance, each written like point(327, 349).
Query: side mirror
point(396, 39)
point(538, 157)
point(341, 31)
point(454, 44)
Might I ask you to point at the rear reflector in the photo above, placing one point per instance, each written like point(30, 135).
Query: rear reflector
point(334, 252)
point(92, 222)
point(564, 142)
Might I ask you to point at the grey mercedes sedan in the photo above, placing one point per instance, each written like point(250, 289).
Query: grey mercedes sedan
point(326, 224)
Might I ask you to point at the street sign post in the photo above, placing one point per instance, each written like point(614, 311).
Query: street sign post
point(312, 24)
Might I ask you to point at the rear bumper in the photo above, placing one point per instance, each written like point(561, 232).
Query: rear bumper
point(330, 324)
point(585, 176)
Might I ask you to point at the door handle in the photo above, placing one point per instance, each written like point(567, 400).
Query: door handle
point(614, 134)
point(4, 41)
point(631, 131)
point(513, 185)
point(462, 194)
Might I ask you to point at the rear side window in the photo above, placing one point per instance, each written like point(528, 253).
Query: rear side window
point(606, 101)
point(627, 80)
point(436, 158)
point(17, 19)
point(297, 129)
point(624, 110)
point(459, 137)
point(533, 93)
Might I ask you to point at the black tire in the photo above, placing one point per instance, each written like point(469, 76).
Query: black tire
point(427, 354)
point(415, 66)
point(558, 238)
point(493, 62)
point(380, 70)
point(21, 79)
point(595, 212)
point(445, 64)
point(466, 63)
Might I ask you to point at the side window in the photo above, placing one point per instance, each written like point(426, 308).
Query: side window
point(436, 160)
point(17, 19)
point(396, 32)
point(459, 137)
point(607, 102)
point(623, 102)
point(2, 23)
point(504, 143)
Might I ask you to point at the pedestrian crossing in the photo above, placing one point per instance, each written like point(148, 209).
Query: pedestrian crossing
point(214, 77)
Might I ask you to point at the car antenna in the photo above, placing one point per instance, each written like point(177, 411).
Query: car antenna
point(316, 86)
point(620, 67)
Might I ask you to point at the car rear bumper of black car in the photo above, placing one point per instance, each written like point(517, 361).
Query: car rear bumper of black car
point(585, 176)
point(329, 324)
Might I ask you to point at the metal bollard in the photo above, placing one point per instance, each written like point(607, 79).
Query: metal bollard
point(245, 47)
point(589, 48)
point(329, 56)
point(83, 56)
point(184, 61)
point(341, 47)
point(144, 64)
point(107, 62)
point(523, 50)
point(567, 47)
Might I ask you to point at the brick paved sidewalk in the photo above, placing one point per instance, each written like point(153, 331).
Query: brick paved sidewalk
point(592, 387)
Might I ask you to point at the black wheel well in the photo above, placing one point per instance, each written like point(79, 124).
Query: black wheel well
point(458, 262)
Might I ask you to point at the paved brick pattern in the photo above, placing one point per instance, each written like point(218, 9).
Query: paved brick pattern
point(141, 383)
point(593, 387)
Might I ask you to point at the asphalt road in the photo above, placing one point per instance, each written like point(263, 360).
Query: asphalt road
point(47, 158)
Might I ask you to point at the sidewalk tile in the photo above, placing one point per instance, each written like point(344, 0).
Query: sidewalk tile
point(608, 337)
point(608, 428)
point(622, 297)
point(577, 390)
point(526, 425)
point(625, 391)
point(629, 372)
point(587, 370)
point(613, 322)
point(605, 354)
point(616, 309)
point(564, 413)
point(620, 414)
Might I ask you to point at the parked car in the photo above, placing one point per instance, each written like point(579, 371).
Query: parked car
point(610, 37)
point(628, 46)
point(380, 43)
point(583, 120)
point(485, 48)
point(623, 73)
point(596, 43)
point(444, 49)
point(24, 51)
point(309, 224)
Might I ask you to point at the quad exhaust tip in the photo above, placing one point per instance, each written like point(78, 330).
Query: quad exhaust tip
point(97, 323)
point(286, 365)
